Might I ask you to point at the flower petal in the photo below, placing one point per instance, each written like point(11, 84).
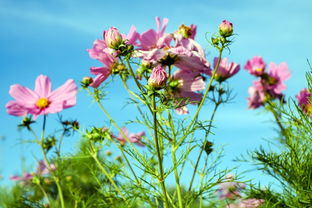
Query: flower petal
point(43, 86)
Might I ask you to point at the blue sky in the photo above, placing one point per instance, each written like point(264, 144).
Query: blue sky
point(51, 38)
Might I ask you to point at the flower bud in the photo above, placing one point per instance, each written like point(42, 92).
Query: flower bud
point(158, 77)
point(86, 81)
point(226, 28)
point(112, 38)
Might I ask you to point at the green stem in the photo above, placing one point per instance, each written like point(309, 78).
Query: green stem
point(56, 179)
point(94, 155)
point(159, 154)
point(203, 98)
point(202, 149)
point(174, 161)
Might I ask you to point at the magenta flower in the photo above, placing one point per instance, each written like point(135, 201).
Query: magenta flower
point(229, 189)
point(155, 39)
point(247, 203)
point(255, 66)
point(304, 101)
point(158, 77)
point(226, 28)
point(42, 169)
point(105, 56)
point(24, 177)
point(225, 69)
point(42, 100)
point(277, 74)
point(256, 95)
point(133, 137)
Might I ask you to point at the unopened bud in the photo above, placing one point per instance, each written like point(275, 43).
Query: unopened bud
point(158, 77)
point(86, 81)
point(226, 28)
point(112, 38)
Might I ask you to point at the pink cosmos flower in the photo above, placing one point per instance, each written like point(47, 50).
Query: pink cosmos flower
point(229, 189)
point(133, 137)
point(187, 86)
point(42, 169)
point(155, 39)
point(24, 177)
point(304, 101)
point(256, 95)
point(191, 60)
point(102, 73)
point(277, 74)
point(42, 100)
point(225, 69)
point(158, 77)
point(247, 203)
point(255, 66)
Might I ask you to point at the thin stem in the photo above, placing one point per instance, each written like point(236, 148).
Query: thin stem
point(202, 148)
point(56, 179)
point(159, 154)
point(174, 160)
point(44, 192)
point(203, 99)
point(94, 155)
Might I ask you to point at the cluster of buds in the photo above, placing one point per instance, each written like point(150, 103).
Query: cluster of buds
point(269, 85)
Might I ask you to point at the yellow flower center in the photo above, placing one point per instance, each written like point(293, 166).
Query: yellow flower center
point(258, 70)
point(308, 109)
point(42, 103)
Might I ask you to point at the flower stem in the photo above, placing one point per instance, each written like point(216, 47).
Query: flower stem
point(203, 99)
point(202, 148)
point(94, 155)
point(159, 154)
point(174, 160)
point(56, 179)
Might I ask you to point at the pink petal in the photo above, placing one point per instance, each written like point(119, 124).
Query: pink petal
point(43, 86)
point(24, 96)
point(65, 95)
point(15, 109)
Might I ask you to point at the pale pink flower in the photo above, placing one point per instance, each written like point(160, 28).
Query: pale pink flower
point(277, 74)
point(112, 37)
point(256, 95)
point(42, 100)
point(155, 39)
point(229, 189)
point(133, 137)
point(187, 89)
point(304, 101)
point(191, 60)
point(24, 177)
point(225, 69)
point(247, 203)
point(255, 66)
point(42, 168)
point(102, 73)
point(226, 28)
point(158, 77)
